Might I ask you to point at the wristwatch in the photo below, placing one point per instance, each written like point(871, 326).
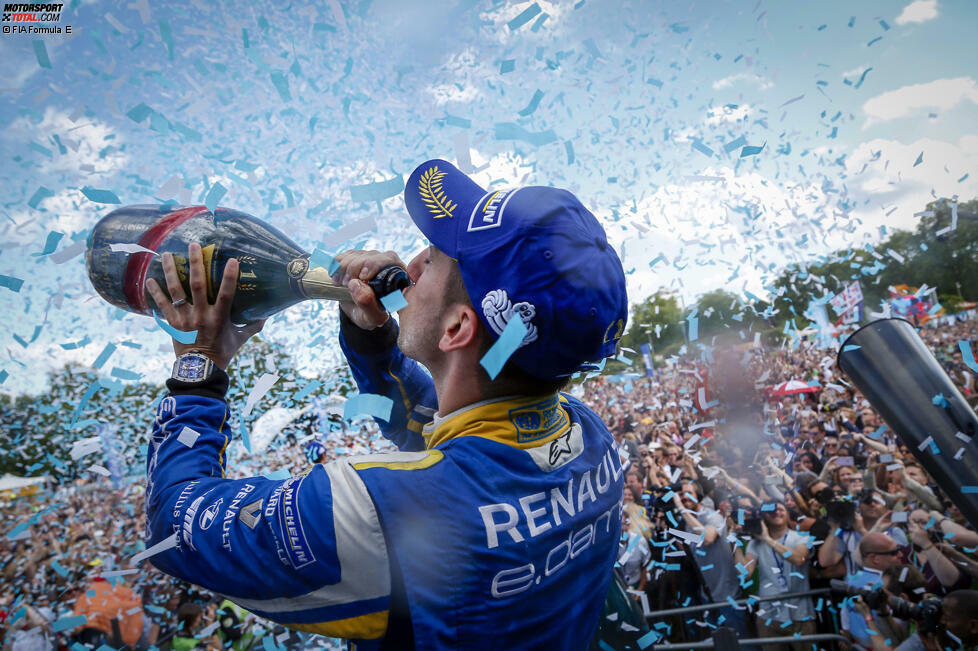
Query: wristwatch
point(192, 367)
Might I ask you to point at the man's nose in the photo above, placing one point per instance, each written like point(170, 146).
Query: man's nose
point(415, 267)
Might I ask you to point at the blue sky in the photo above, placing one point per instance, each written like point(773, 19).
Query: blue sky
point(289, 105)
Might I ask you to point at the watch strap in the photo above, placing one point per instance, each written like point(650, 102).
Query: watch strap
point(214, 386)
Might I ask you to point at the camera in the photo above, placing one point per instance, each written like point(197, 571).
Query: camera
point(927, 613)
point(752, 523)
point(841, 511)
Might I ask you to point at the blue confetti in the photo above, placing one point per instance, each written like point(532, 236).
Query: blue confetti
point(104, 356)
point(967, 355)
point(377, 191)
point(849, 347)
point(11, 283)
point(508, 65)
point(368, 404)
point(66, 623)
point(524, 17)
point(751, 150)
point(39, 195)
point(278, 475)
point(735, 144)
point(281, 83)
point(320, 258)
point(50, 244)
point(534, 103)
point(513, 131)
point(920, 159)
point(100, 196)
point(214, 195)
point(179, 335)
point(507, 344)
point(41, 52)
point(395, 301)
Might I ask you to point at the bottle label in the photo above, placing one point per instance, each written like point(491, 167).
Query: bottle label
point(297, 267)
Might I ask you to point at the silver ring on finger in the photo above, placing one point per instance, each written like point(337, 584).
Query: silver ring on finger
point(179, 302)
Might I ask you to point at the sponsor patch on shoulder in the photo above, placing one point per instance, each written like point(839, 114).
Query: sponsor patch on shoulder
point(539, 420)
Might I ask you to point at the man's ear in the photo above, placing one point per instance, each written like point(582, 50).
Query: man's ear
point(460, 329)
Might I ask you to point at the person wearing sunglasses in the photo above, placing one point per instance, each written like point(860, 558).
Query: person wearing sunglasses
point(878, 552)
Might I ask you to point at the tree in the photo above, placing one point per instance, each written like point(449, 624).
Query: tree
point(657, 321)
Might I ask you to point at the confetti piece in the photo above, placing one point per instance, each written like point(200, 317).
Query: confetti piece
point(281, 83)
point(188, 436)
point(751, 150)
point(377, 191)
point(698, 145)
point(11, 283)
point(513, 131)
point(104, 356)
point(65, 623)
point(349, 231)
point(243, 433)
point(508, 65)
point(114, 573)
point(967, 355)
point(735, 144)
point(969, 490)
point(100, 196)
point(850, 347)
point(278, 475)
point(368, 404)
point(320, 258)
point(507, 344)
point(68, 252)
point(39, 195)
point(524, 17)
point(534, 103)
point(214, 195)
point(179, 335)
point(920, 159)
point(262, 385)
point(306, 390)
point(50, 244)
point(41, 52)
point(162, 546)
point(130, 248)
point(395, 301)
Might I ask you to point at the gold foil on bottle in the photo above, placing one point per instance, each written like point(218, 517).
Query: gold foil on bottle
point(317, 283)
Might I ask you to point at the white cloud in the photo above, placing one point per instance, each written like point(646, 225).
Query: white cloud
point(747, 77)
point(728, 115)
point(918, 11)
point(884, 170)
point(903, 102)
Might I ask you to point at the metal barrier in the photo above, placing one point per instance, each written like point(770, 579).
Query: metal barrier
point(722, 639)
point(742, 602)
point(758, 641)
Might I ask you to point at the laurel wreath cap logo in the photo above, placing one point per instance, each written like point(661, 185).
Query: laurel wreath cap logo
point(432, 194)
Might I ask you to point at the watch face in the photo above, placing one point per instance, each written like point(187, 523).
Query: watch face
point(191, 367)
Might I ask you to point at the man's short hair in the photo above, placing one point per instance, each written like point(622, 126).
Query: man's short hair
point(963, 603)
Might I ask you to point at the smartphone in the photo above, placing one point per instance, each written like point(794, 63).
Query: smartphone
point(886, 458)
point(899, 516)
point(844, 461)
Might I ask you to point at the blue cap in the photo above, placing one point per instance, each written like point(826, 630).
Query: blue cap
point(533, 251)
point(314, 449)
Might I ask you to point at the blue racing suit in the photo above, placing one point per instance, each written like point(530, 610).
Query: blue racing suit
point(495, 526)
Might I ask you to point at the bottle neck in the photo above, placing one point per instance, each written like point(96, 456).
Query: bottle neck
point(317, 283)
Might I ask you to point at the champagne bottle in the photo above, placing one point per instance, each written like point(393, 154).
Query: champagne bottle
point(274, 273)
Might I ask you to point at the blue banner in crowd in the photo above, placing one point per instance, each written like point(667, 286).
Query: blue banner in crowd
point(647, 356)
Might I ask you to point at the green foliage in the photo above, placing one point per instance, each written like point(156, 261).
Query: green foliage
point(947, 261)
point(661, 309)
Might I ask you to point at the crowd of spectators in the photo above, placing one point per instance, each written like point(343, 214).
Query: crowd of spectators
point(730, 493)
point(734, 492)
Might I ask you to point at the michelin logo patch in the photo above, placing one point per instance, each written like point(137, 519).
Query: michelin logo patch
point(290, 524)
point(488, 212)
